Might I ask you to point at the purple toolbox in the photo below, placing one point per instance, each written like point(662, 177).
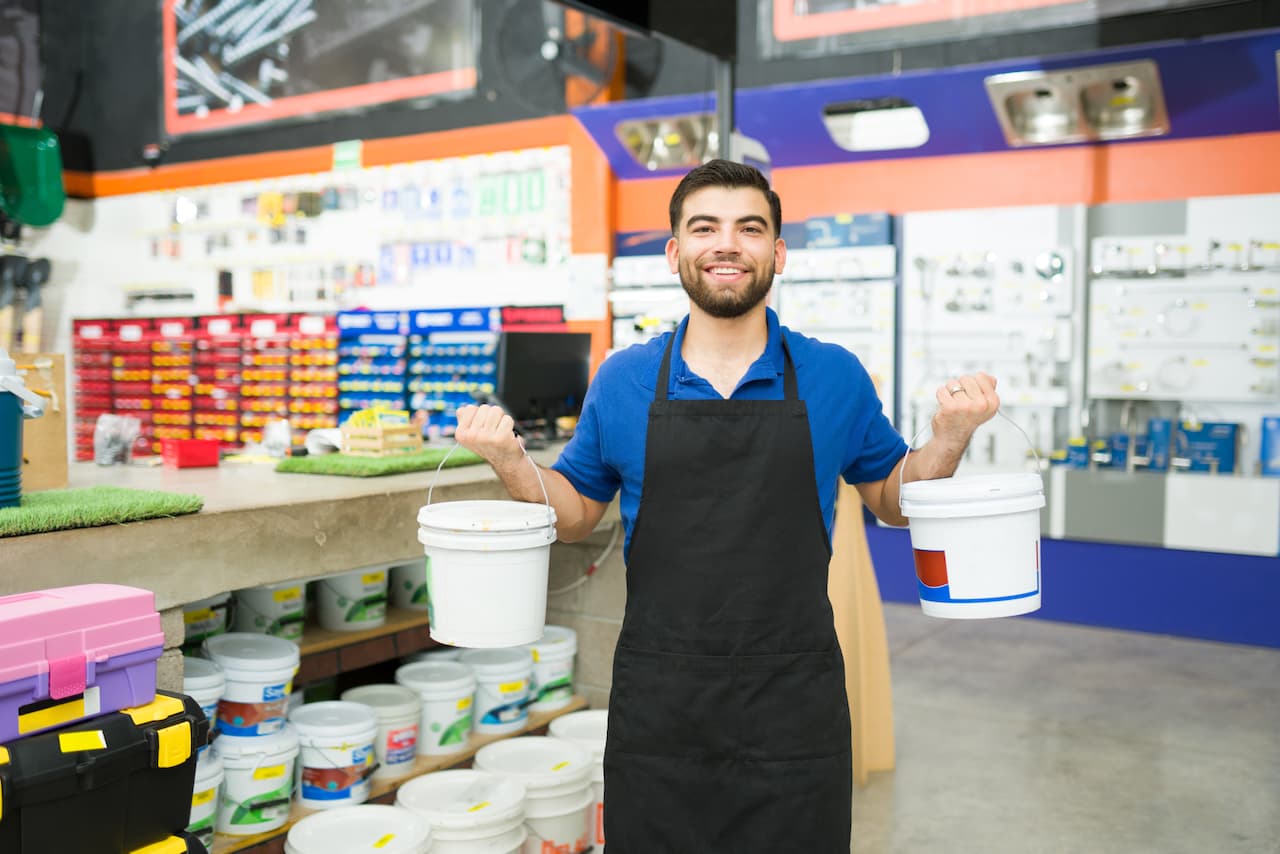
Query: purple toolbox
point(72, 653)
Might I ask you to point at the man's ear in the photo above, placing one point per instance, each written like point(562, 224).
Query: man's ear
point(779, 255)
point(673, 255)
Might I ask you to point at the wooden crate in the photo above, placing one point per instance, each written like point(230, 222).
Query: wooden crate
point(380, 433)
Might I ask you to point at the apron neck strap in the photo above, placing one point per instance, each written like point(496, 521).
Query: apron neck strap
point(789, 386)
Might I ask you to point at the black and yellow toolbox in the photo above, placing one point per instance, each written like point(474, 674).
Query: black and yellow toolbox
point(117, 784)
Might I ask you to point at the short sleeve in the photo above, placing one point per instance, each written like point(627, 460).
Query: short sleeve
point(582, 461)
point(877, 446)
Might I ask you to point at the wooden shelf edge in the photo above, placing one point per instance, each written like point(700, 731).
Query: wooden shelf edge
point(383, 791)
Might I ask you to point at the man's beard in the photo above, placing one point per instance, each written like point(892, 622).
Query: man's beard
point(725, 304)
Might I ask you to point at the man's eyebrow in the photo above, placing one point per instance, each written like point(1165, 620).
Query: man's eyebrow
point(756, 218)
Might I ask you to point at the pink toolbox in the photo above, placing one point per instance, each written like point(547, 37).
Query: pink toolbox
point(72, 653)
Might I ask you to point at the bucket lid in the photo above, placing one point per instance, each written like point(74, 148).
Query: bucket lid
point(235, 747)
point(554, 638)
point(436, 675)
point(463, 799)
point(486, 517)
point(538, 761)
point(387, 701)
point(983, 487)
point(501, 659)
point(374, 828)
point(333, 718)
point(249, 651)
point(201, 673)
point(208, 770)
point(588, 729)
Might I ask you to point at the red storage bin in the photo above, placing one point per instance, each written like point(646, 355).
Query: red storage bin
point(189, 453)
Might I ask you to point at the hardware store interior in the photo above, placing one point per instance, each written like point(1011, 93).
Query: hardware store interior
point(342, 507)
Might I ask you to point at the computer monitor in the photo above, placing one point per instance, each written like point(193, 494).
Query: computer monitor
point(543, 376)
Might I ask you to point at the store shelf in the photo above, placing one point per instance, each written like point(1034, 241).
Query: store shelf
point(327, 653)
point(384, 791)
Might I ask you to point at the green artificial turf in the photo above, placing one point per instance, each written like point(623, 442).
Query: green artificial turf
point(353, 466)
point(60, 509)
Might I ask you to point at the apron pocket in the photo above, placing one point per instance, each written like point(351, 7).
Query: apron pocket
point(792, 705)
point(666, 704)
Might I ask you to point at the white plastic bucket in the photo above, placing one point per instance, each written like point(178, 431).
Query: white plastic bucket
point(204, 798)
point(351, 601)
point(337, 755)
point(409, 586)
point(487, 570)
point(372, 828)
point(976, 542)
point(470, 812)
point(272, 609)
point(202, 681)
point(258, 782)
point(399, 713)
point(551, 687)
point(556, 776)
point(447, 690)
point(589, 730)
point(259, 672)
point(502, 688)
point(204, 619)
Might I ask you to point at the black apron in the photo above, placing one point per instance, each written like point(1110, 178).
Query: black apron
point(728, 718)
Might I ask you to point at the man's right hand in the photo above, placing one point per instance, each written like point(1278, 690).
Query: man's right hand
point(489, 432)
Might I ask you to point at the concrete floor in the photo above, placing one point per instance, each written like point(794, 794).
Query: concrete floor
point(1033, 737)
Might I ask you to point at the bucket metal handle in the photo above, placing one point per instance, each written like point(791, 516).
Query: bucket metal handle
point(902, 471)
point(541, 485)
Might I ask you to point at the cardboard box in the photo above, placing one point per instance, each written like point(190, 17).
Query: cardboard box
point(44, 439)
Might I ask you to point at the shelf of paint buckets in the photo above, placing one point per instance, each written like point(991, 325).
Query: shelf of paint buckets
point(326, 653)
point(384, 791)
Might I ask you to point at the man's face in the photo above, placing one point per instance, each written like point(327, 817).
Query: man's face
point(725, 250)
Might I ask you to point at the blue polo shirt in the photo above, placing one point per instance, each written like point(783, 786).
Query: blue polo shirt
point(850, 433)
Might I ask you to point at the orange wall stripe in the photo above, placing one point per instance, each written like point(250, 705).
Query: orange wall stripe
point(482, 139)
point(1129, 172)
point(591, 190)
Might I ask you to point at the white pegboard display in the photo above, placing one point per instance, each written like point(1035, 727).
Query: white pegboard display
point(846, 296)
point(994, 290)
point(1192, 316)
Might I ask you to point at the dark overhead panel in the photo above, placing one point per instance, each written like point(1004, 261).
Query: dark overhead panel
point(709, 25)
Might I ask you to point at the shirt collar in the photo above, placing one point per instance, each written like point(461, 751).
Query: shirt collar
point(772, 362)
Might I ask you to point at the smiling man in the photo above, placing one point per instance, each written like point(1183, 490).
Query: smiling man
point(728, 719)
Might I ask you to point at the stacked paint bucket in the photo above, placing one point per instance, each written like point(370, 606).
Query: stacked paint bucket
point(272, 609)
point(80, 718)
point(257, 747)
point(556, 776)
point(589, 730)
point(352, 601)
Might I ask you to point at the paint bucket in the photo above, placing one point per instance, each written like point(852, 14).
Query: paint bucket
point(409, 586)
point(551, 686)
point(373, 828)
point(502, 688)
point(487, 568)
point(204, 798)
point(470, 812)
point(204, 619)
point(399, 713)
point(258, 781)
point(17, 403)
point(556, 776)
point(272, 609)
point(351, 601)
point(447, 690)
point(259, 672)
point(589, 730)
point(202, 681)
point(976, 542)
point(337, 756)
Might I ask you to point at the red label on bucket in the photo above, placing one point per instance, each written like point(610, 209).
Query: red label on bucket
point(931, 567)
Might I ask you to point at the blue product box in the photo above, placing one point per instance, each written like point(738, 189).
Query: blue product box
point(830, 232)
point(1208, 442)
point(1271, 445)
point(1159, 442)
point(1119, 448)
point(1077, 453)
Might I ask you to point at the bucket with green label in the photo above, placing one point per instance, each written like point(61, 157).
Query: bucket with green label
point(409, 585)
point(351, 601)
point(257, 786)
point(272, 609)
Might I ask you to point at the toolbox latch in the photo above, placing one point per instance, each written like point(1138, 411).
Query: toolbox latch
point(67, 677)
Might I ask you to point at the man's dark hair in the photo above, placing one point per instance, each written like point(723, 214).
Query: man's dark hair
point(724, 173)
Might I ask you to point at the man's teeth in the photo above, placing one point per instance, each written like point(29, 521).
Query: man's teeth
point(726, 271)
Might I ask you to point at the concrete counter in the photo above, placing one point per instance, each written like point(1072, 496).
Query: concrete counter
point(257, 527)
